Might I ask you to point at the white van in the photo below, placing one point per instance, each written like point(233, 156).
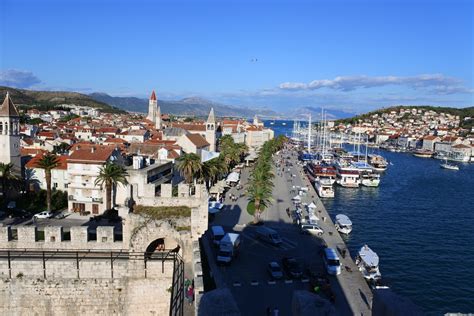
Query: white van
point(269, 235)
point(331, 261)
point(217, 232)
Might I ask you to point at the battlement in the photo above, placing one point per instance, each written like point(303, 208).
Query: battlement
point(54, 237)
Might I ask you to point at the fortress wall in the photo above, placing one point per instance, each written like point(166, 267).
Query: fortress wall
point(29, 296)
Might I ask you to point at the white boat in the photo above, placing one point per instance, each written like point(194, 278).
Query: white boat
point(370, 179)
point(348, 177)
point(343, 224)
point(447, 165)
point(378, 162)
point(324, 188)
point(368, 263)
point(284, 123)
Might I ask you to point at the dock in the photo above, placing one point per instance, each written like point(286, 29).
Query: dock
point(353, 285)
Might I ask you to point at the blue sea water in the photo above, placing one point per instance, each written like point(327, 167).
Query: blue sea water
point(420, 222)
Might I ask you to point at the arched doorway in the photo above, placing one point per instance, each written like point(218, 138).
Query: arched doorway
point(155, 245)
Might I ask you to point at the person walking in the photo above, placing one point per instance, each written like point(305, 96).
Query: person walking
point(190, 294)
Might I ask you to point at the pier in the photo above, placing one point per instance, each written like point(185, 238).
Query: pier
point(247, 277)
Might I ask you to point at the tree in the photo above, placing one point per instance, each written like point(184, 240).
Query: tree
point(189, 166)
point(48, 162)
point(7, 177)
point(212, 170)
point(111, 175)
point(61, 148)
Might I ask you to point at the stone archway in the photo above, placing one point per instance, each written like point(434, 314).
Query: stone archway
point(155, 245)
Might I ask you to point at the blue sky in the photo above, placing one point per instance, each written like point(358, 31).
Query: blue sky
point(353, 55)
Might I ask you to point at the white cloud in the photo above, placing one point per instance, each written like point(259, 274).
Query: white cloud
point(438, 83)
point(18, 78)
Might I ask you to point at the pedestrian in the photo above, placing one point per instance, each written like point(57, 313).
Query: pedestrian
point(190, 294)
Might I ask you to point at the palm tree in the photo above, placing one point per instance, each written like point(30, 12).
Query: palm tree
point(111, 175)
point(7, 177)
point(189, 166)
point(259, 194)
point(48, 162)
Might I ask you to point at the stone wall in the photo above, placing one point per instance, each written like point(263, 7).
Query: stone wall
point(27, 296)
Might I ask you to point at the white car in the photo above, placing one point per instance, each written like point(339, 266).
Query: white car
point(43, 215)
point(312, 229)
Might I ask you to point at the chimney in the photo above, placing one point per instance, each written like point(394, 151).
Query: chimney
point(92, 149)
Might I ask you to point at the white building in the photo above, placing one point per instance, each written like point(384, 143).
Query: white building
point(83, 167)
point(36, 176)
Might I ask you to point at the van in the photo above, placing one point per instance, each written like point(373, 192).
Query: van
point(312, 229)
point(228, 248)
point(269, 235)
point(331, 261)
point(217, 232)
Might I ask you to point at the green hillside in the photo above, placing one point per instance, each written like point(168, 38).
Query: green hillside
point(47, 100)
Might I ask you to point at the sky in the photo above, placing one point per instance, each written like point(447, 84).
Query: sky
point(352, 55)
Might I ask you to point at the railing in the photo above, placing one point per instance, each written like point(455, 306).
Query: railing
point(177, 287)
point(83, 255)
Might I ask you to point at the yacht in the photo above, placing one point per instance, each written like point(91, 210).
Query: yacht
point(368, 263)
point(322, 171)
point(370, 179)
point(324, 188)
point(447, 165)
point(423, 153)
point(346, 175)
point(378, 162)
point(343, 224)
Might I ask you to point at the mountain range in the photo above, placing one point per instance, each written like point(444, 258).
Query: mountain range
point(189, 106)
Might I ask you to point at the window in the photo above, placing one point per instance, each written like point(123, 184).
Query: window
point(95, 208)
point(55, 185)
point(104, 239)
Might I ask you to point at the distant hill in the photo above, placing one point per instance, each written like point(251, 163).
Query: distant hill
point(188, 106)
point(52, 99)
point(462, 112)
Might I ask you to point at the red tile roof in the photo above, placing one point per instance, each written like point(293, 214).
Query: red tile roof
point(190, 127)
point(96, 153)
point(62, 162)
point(197, 140)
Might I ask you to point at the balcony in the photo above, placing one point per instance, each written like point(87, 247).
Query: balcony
point(84, 185)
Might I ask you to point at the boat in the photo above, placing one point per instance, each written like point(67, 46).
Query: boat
point(370, 179)
point(343, 224)
point(378, 162)
point(322, 172)
point(283, 123)
point(368, 263)
point(324, 188)
point(447, 165)
point(423, 153)
point(346, 175)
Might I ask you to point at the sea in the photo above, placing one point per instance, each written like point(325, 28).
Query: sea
point(420, 221)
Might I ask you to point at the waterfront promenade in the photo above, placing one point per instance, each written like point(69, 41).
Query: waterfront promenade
point(247, 277)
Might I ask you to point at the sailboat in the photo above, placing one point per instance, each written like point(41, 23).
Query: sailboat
point(449, 166)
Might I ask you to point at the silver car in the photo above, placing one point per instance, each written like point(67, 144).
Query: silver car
point(312, 229)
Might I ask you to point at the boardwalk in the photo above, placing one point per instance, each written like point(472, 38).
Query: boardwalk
point(247, 277)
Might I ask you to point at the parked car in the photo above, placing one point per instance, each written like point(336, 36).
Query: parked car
point(331, 261)
point(292, 267)
point(43, 215)
point(312, 229)
point(275, 270)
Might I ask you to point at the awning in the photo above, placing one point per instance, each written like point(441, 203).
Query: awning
point(312, 206)
point(297, 198)
point(233, 177)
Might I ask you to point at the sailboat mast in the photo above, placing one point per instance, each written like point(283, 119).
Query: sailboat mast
point(309, 134)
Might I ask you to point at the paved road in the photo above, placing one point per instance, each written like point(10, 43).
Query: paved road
point(247, 276)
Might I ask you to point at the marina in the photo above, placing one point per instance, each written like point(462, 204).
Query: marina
point(403, 221)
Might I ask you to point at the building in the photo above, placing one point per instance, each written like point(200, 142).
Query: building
point(211, 130)
point(193, 143)
point(430, 141)
point(36, 176)
point(10, 135)
point(154, 111)
point(83, 168)
point(145, 177)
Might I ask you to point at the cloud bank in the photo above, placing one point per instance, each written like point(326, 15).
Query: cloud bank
point(18, 78)
point(438, 83)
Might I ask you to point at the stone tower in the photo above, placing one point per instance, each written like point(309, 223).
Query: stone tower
point(10, 135)
point(158, 116)
point(211, 130)
point(152, 107)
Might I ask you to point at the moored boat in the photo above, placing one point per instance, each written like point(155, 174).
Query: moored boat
point(343, 224)
point(324, 188)
point(370, 179)
point(423, 153)
point(378, 162)
point(447, 165)
point(368, 263)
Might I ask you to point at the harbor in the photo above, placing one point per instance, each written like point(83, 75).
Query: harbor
point(404, 221)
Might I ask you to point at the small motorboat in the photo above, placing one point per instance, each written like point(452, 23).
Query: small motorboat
point(343, 224)
point(449, 166)
point(368, 263)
